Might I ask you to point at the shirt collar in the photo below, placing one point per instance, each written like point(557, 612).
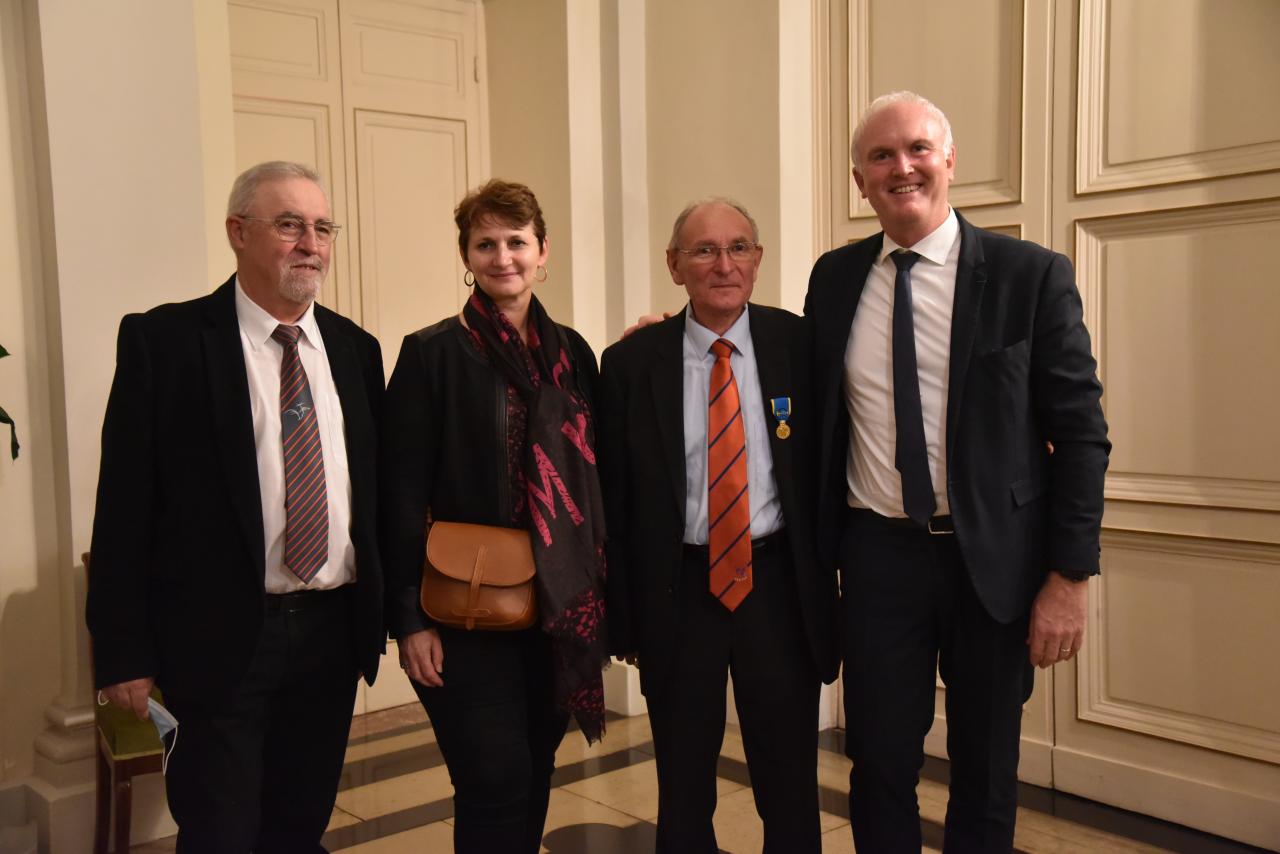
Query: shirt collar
point(935, 246)
point(739, 334)
point(258, 325)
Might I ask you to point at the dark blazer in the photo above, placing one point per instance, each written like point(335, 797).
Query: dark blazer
point(1021, 374)
point(444, 449)
point(176, 585)
point(642, 468)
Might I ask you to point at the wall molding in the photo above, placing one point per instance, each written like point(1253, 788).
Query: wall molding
point(1094, 170)
point(1094, 700)
point(1091, 239)
point(1000, 189)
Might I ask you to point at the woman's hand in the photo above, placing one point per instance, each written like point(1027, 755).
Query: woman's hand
point(422, 657)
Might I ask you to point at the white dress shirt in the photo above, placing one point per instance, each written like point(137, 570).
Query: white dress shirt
point(873, 479)
point(762, 492)
point(262, 357)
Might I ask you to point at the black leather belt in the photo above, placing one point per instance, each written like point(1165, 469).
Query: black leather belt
point(937, 524)
point(302, 600)
point(762, 546)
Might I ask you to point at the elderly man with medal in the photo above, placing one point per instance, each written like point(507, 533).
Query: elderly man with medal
point(706, 435)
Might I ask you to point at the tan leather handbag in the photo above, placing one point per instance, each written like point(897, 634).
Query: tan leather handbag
point(479, 577)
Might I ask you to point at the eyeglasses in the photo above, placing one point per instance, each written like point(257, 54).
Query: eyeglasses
point(291, 228)
point(708, 253)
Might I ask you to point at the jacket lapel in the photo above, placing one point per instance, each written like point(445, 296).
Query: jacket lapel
point(668, 396)
point(233, 419)
point(835, 325)
point(358, 428)
point(971, 281)
point(773, 365)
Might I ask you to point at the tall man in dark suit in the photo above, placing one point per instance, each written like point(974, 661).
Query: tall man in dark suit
point(961, 468)
point(706, 445)
point(235, 560)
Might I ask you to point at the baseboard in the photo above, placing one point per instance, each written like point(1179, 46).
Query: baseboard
point(1233, 813)
point(622, 690)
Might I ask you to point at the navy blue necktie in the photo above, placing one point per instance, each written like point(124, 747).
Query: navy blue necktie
point(911, 457)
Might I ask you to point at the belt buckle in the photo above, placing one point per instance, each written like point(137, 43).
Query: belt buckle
point(940, 532)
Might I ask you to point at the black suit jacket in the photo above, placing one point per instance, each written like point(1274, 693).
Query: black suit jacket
point(642, 469)
point(176, 582)
point(1021, 374)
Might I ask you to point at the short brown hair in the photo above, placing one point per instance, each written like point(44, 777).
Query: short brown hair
point(505, 201)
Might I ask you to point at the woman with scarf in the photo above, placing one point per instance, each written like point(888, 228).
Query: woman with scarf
point(480, 408)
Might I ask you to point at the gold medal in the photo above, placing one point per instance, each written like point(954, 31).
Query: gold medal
point(783, 430)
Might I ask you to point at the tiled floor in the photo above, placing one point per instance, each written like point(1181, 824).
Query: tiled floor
point(395, 797)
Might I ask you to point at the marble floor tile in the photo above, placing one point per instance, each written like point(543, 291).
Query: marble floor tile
point(436, 837)
point(341, 818)
point(397, 717)
point(577, 824)
point(1046, 834)
point(633, 790)
point(738, 826)
point(619, 734)
point(387, 796)
point(382, 746)
point(607, 800)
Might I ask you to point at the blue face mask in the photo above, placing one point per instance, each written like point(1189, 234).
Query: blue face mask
point(165, 723)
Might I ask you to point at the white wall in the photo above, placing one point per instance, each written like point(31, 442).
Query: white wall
point(115, 135)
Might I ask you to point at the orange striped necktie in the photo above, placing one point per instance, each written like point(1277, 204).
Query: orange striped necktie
point(728, 505)
point(306, 504)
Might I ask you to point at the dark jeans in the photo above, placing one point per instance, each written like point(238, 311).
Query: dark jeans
point(260, 772)
point(498, 728)
point(909, 608)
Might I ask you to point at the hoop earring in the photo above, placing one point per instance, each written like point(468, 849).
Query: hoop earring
point(468, 278)
point(541, 269)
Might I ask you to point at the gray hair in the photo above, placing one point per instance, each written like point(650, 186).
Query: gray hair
point(246, 185)
point(882, 103)
point(711, 200)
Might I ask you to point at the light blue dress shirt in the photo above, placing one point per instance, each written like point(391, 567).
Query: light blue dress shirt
point(766, 512)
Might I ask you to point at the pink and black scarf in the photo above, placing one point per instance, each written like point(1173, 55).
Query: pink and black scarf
point(562, 492)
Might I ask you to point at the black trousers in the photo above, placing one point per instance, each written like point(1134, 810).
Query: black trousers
point(775, 688)
point(260, 772)
point(909, 607)
point(498, 728)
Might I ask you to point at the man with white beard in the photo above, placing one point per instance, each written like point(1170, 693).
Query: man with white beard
point(235, 560)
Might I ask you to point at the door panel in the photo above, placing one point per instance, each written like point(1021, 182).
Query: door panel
point(410, 171)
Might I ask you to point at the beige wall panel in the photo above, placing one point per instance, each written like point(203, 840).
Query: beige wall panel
point(281, 38)
point(410, 171)
point(412, 57)
point(712, 117)
point(1185, 309)
point(1139, 675)
point(974, 74)
point(1169, 91)
point(272, 130)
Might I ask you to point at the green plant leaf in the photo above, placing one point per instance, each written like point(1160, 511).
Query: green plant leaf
point(13, 431)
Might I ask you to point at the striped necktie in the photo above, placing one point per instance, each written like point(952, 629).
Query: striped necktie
point(306, 505)
point(728, 507)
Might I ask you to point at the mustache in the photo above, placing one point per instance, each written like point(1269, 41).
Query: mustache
point(313, 260)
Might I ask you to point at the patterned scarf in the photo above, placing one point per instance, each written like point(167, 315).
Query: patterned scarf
point(566, 515)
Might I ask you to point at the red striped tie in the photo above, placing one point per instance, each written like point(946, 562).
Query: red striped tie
point(306, 506)
point(728, 507)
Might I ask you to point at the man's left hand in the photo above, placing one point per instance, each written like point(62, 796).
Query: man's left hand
point(1057, 620)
